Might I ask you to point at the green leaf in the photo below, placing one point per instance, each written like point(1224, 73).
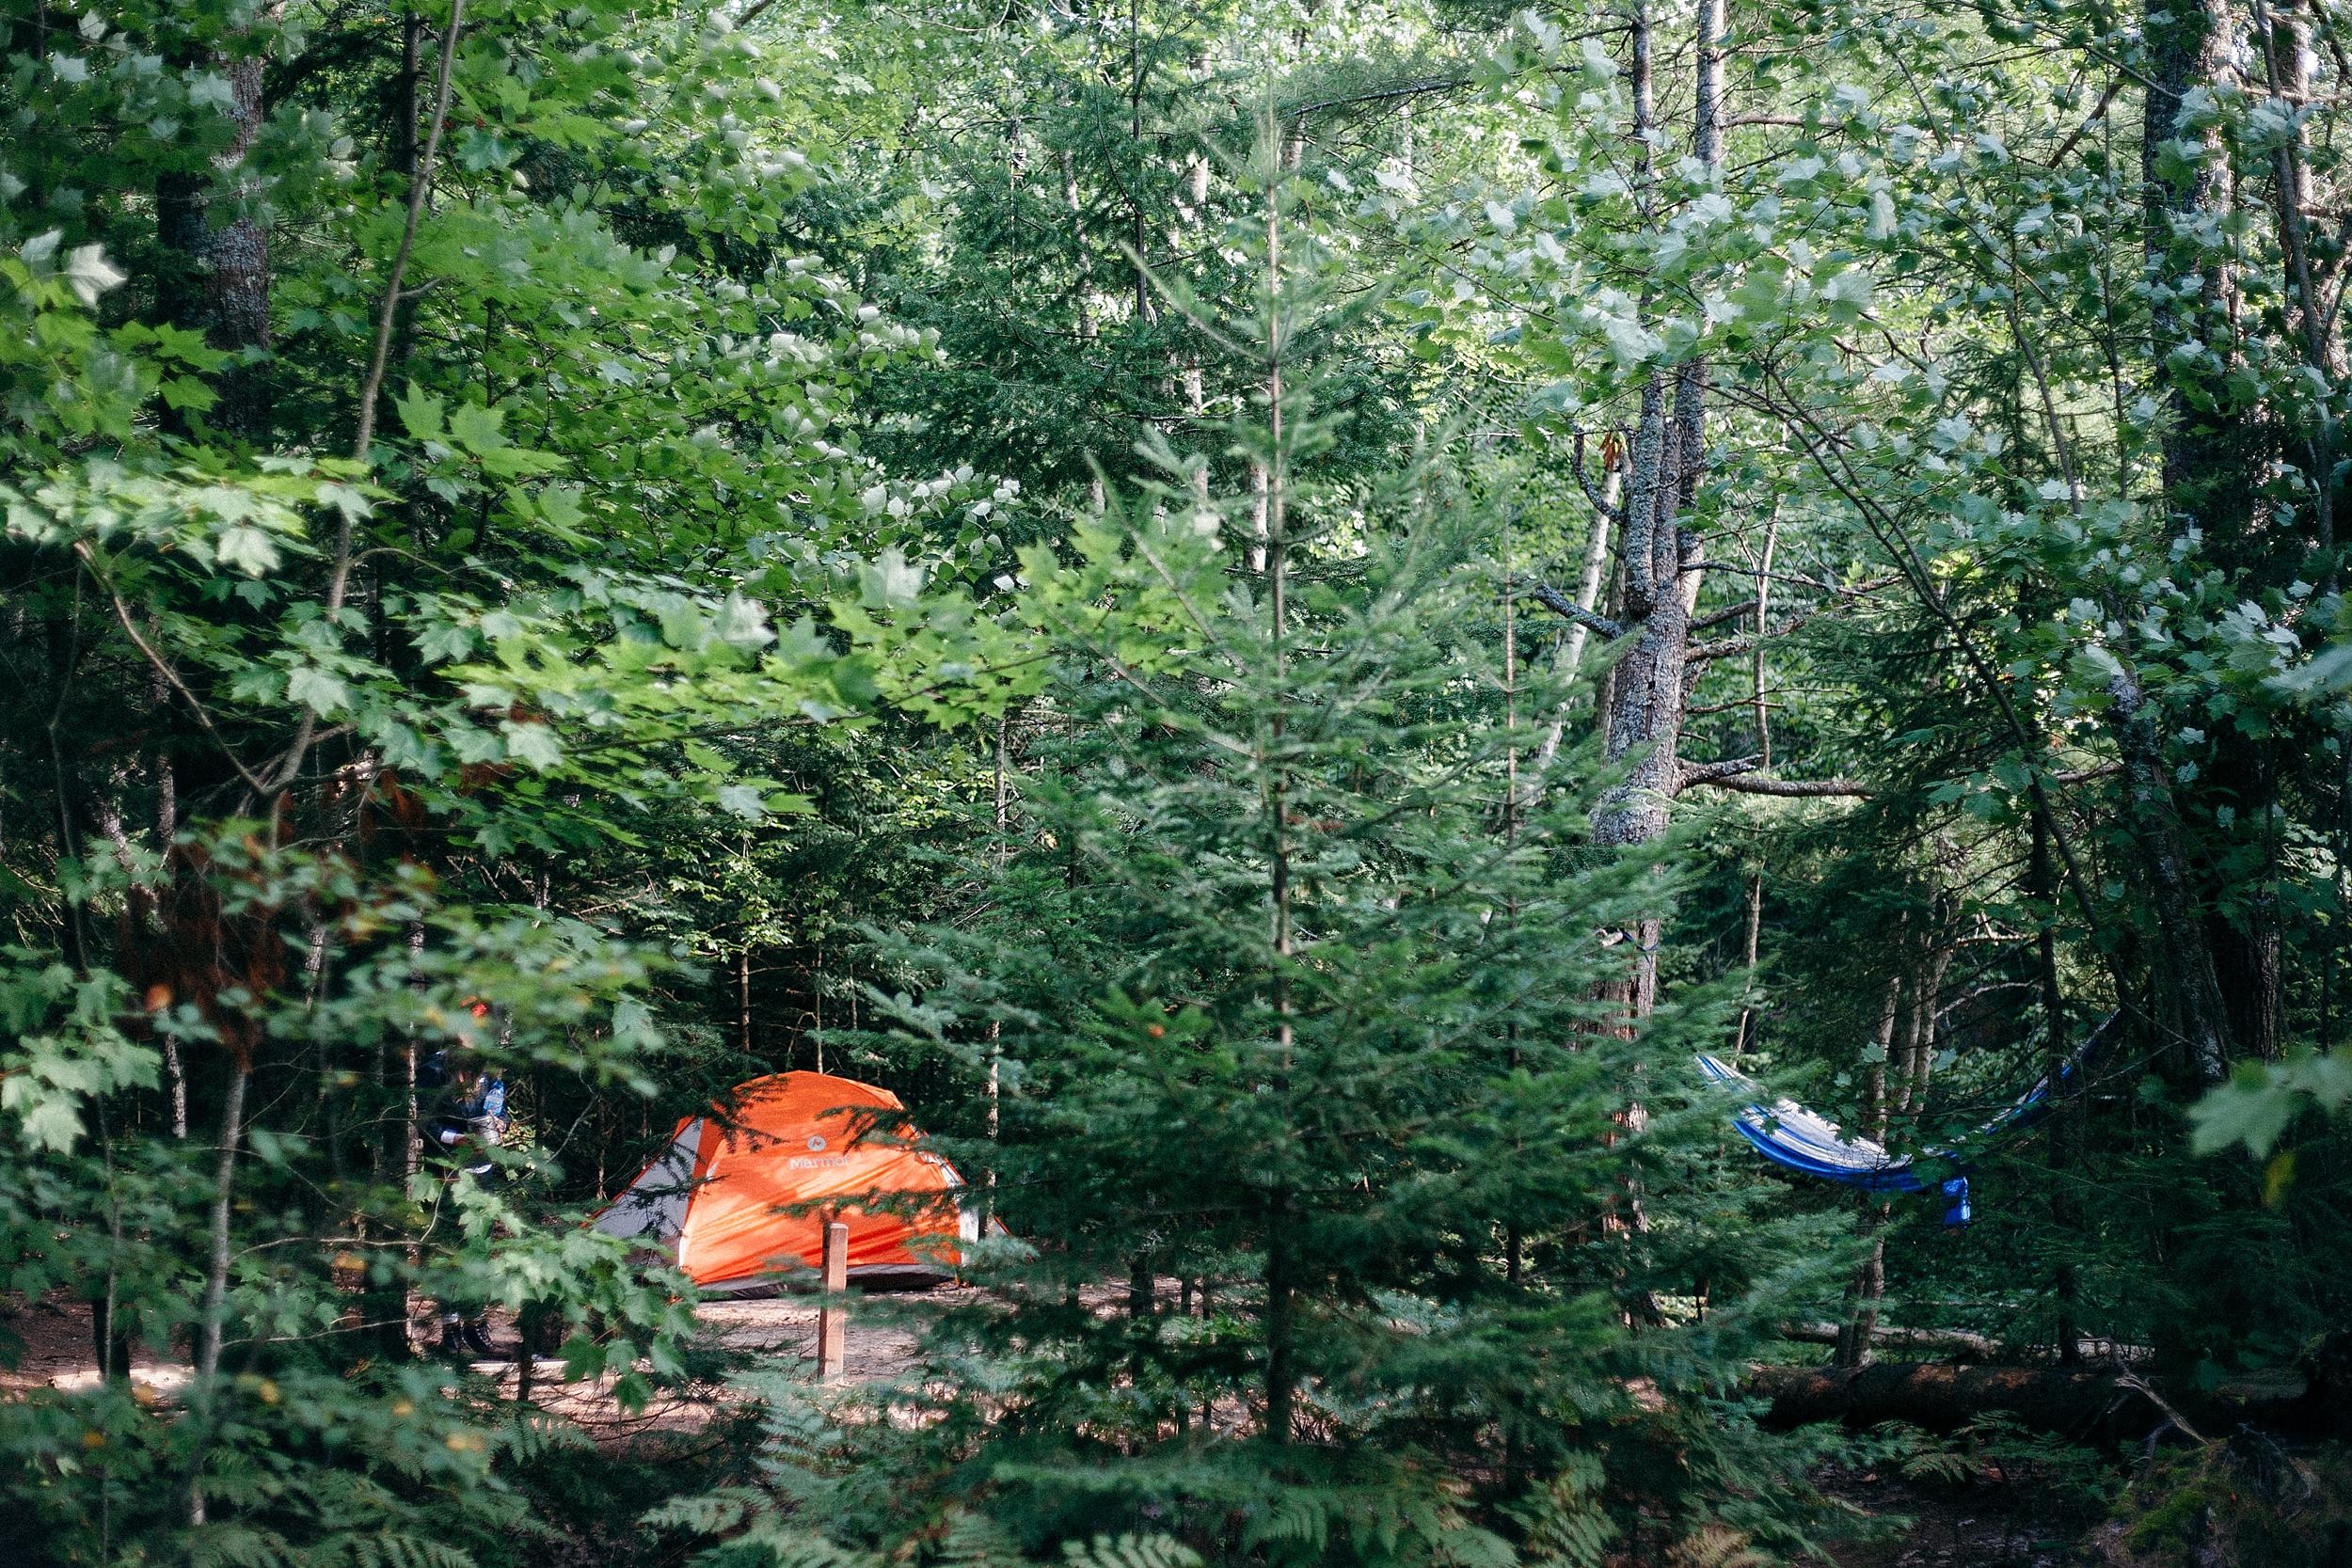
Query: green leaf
point(744, 623)
point(477, 428)
point(90, 274)
point(421, 414)
point(890, 582)
point(742, 800)
point(315, 688)
point(248, 549)
point(441, 641)
point(531, 744)
point(2252, 1108)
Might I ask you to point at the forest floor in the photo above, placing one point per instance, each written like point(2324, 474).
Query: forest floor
point(1992, 1523)
point(58, 1353)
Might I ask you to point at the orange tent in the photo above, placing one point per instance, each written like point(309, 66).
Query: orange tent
point(732, 1197)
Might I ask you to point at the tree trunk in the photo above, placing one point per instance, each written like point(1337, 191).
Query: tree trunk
point(1281, 1376)
point(2188, 55)
point(2189, 48)
point(743, 997)
point(1868, 1287)
point(1658, 548)
point(1588, 591)
point(2190, 1009)
point(213, 1321)
point(220, 285)
point(1856, 1334)
point(1963, 1345)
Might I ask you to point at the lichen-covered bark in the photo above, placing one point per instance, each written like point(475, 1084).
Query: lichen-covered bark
point(1647, 698)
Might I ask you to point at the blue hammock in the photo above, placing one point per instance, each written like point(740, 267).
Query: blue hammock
point(1809, 1143)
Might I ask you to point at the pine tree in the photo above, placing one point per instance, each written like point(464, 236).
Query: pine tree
point(1330, 1238)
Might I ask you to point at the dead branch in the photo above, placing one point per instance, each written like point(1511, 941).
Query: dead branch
point(1729, 613)
point(1601, 503)
point(1739, 774)
point(1560, 604)
point(1727, 647)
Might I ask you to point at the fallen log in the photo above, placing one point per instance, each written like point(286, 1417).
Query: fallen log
point(1959, 1344)
point(2099, 1405)
point(1956, 1344)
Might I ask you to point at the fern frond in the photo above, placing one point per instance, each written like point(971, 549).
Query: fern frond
point(711, 1513)
point(1139, 1551)
point(791, 1543)
point(1714, 1546)
point(975, 1541)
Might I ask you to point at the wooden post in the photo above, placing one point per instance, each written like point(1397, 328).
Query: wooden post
point(833, 1321)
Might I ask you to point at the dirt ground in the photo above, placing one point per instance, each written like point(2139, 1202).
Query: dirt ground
point(1992, 1523)
point(58, 1353)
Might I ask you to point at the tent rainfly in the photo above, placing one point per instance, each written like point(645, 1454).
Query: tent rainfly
point(739, 1199)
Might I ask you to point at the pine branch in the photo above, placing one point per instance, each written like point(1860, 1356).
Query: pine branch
point(1822, 585)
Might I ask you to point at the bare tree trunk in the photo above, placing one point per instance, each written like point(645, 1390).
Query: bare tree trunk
point(107, 1336)
point(1281, 1377)
point(211, 1324)
point(2105, 1405)
point(2189, 53)
point(1136, 73)
point(1090, 331)
point(2188, 47)
point(1914, 1063)
point(167, 830)
point(1588, 585)
point(1191, 213)
point(2065, 1205)
point(743, 996)
point(997, 1026)
point(412, 1140)
point(2246, 934)
point(1761, 712)
point(1869, 1282)
point(1868, 1288)
point(1260, 481)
